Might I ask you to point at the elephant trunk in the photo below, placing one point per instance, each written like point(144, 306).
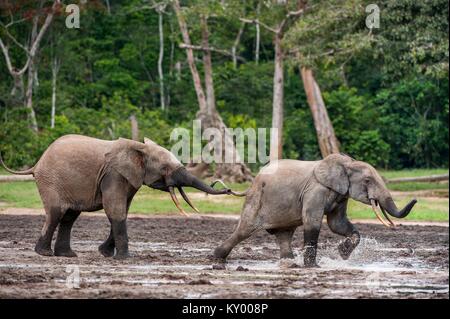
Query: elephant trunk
point(181, 177)
point(389, 205)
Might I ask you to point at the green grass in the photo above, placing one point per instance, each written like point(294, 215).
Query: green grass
point(20, 194)
point(410, 187)
point(149, 201)
point(413, 172)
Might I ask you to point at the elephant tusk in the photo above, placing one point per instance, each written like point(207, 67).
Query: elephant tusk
point(229, 190)
point(374, 208)
point(387, 216)
point(186, 198)
point(176, 202)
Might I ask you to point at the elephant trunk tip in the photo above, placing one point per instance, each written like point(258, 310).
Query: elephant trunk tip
point(391, 208)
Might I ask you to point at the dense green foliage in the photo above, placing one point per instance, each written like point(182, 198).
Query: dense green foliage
point(386, 91)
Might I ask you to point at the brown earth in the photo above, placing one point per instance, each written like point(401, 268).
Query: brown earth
point(170, 260)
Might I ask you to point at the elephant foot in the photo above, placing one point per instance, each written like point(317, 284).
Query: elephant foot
point(345, 250)
point(311, 265)
point(309, 257)
point(218, 260)
point(106, 251)
point(44, 251)
point(121, 256)
point(65, 253)
point(348, 245)
point(287, 263)
point(221, 253)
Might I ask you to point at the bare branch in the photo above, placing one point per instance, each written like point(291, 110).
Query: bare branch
point(255, 21)
point(13, 39)
point(47, 22)
point(211, 49)
point(7, 58)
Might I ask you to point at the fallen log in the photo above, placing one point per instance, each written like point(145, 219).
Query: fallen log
point(16, 178)
point(429, 179)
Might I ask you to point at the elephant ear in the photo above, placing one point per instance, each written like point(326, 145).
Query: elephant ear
point(127, 158)
point(331, 173)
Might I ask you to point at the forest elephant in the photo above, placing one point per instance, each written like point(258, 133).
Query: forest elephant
point(290, 193)
point(79, 173)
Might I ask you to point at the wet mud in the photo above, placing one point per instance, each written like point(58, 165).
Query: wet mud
point(171, 259)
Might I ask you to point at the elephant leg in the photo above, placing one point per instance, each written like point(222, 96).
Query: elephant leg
point(62, 244)
point(107, 248)
point(115, 201)
point(339, 224)
point(284, 240)
point(52, 218)
point(119, 228)
point(312, 223)
point(241, 233)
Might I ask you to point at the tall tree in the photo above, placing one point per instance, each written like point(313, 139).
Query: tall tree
point(30, 49)
point(236, 171)
point(326, 138)
point(281, 16)
point(160, 9)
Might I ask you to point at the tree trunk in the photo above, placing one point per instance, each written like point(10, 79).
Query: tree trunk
point(328, 142)
point(276, 140)
point(258, 34)
point(108, 7)
point(160, 60)
point(134, 128)
point(31, 49)
point(236, 171)
point(236, 44)
point(55, 68)
point(190, 56)
point(207, 66)
point(29, 98)
point(17, 90)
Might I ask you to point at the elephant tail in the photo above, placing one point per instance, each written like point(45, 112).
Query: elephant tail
point(239, 194)
point(25, 172)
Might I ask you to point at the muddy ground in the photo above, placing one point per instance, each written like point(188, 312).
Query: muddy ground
point(170, 260)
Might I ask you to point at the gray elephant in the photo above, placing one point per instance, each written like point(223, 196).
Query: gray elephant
point(290, 193)
point(78, 173)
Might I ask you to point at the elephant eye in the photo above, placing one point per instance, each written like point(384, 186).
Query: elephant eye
point(367, 180)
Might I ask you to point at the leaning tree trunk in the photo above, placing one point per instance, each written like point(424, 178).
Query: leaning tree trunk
point(328, 142)
point(276, 140)
point(236, 171)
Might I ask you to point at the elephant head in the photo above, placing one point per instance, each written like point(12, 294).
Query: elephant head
point(151, 164)
point(361, 182)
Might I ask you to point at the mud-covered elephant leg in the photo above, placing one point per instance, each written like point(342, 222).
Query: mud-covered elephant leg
point(284, 240)
point(241, 233)
point(312, 223)
point(339, 224)
point(62, 244)
point(107, 248)
point(115, 204)
point(52, 218)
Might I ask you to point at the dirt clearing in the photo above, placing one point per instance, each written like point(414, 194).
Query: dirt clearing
point(170, 260)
